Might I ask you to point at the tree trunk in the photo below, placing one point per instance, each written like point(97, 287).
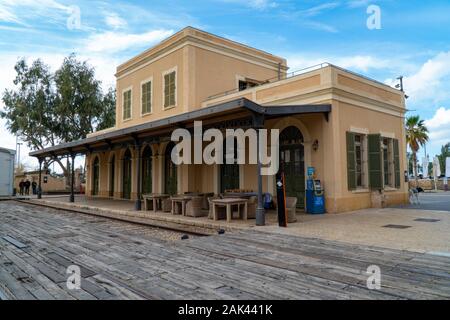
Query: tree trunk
point(415, 168)
point(64, 169)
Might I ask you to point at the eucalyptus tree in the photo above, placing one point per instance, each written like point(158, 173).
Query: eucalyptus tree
point(45, 109)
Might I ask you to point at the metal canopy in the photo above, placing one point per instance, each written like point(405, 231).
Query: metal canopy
point(178, 120)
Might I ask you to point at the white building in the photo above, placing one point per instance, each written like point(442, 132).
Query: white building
point(6, 171)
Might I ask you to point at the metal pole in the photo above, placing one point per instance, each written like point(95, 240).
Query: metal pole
point(39, 193)
point(260, 212)
point(18, 155)
point(137, 204)
point(72, 194)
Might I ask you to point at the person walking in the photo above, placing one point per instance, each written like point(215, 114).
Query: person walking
point(21, 186)
point(34, 186)
point(27, 187)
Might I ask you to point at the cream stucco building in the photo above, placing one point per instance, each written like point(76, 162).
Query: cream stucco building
point(349, 127)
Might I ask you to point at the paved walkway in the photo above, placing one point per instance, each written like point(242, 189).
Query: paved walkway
point(437, 201)
point(389, 228)
point(123, 261)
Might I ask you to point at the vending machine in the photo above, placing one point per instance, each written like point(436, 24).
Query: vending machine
point(315, 199)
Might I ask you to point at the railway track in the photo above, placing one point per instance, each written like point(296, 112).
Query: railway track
point(150, 223)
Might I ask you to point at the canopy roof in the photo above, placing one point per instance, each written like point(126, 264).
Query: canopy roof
point(158, 130)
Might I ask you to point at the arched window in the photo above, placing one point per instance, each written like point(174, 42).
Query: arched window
point(126, 175)
point(147, 170)
point(170, 171)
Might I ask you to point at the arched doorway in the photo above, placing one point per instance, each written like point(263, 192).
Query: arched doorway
point(229, 172)
point(147, 170)
point(292, 160)
point(95, 177)
point(126, 175)
point(112, 173)
point(170, 171)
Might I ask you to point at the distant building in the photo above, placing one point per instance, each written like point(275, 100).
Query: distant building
point(51, 183)
point(6, 171)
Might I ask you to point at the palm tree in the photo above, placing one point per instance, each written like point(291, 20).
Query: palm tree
point(416, 136)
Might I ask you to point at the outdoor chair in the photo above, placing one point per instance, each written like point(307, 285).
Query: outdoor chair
point(221, 211)
point(205, 204)
point(194, 207)
point(291, 206)
point(166, 205)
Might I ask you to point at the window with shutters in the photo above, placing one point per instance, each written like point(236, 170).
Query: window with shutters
point(388, 162)
point(360, 160)
point(356, 161)
point(146, 96)
point(375, 169)
point(170, 86)
point(396, 152)
point(126, 104)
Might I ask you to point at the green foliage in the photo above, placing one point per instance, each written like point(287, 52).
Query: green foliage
point(81, 106)
point(416, 133)
point(29, 110)
point(45, 109)
point(416, 136)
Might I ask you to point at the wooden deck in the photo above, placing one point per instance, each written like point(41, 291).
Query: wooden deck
point(120, 260)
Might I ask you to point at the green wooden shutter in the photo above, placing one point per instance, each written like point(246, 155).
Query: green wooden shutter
point(351, 163)
point(166, 90)
point(396, 163)
point(374, 154)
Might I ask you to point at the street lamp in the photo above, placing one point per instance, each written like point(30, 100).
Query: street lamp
point(400, 86)
point(18, 153)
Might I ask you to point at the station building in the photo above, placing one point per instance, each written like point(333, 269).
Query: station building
point(348, 127)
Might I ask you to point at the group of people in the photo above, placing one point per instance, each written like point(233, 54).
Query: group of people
point(24, 187)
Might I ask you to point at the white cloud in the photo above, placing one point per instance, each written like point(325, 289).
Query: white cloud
point(430, 82)
point(110, 42)
point(113, 20)
point(439, 128)
point(361, 63)
point(7, 15)
point(16, 11)
point(316, 10)
point(440, 119)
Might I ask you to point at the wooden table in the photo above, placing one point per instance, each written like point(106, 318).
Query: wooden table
point(228, 203)
point(156, 198)
point(182, 200)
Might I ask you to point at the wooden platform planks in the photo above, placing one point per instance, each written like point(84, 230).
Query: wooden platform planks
point(120, 260)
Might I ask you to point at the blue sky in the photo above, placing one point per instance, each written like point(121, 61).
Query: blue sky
point(414, 40)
